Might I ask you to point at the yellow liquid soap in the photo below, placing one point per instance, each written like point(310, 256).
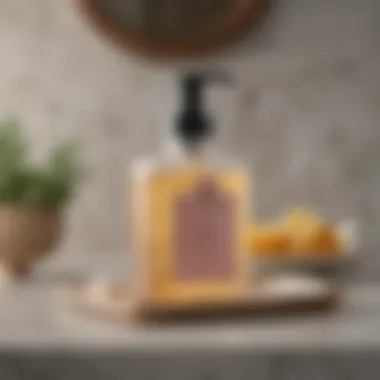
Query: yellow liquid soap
point(189, 227)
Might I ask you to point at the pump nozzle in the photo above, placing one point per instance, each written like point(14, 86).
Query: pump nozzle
point(193, 125)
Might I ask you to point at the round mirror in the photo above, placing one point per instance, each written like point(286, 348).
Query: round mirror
point(172, 28)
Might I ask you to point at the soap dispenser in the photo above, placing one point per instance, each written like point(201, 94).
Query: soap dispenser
point(190, 211)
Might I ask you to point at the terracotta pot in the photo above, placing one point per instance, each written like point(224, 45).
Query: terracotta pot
point(26, 236)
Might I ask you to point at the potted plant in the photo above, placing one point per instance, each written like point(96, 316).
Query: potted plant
point(32, 198)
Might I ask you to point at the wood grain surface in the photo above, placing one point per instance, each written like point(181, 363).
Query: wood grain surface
point(172, 29)
point(120, 304)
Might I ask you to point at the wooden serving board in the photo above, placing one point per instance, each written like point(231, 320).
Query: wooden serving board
point(272, 297)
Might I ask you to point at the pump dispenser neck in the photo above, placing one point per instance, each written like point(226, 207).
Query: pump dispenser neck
point(192, 87)
point(194, 127)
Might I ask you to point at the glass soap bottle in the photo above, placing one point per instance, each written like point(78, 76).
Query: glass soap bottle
point(190, 212)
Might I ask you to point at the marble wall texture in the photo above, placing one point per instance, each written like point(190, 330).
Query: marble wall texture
point(304, 112)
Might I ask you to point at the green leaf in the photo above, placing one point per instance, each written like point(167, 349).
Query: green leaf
point(52, 184)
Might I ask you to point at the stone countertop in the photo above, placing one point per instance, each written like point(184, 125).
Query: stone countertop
point(33, 315)
point(38, 336)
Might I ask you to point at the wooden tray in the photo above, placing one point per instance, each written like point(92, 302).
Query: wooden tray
point(277, 296)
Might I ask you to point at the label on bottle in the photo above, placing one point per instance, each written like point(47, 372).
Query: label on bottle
point(205, 243)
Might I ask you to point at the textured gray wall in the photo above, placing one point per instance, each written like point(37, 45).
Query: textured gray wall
point(305, 110)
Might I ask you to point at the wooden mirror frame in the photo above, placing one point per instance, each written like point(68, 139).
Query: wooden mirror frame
point(218, 34)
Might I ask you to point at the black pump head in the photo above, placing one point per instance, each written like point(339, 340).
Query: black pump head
point(193, 126)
